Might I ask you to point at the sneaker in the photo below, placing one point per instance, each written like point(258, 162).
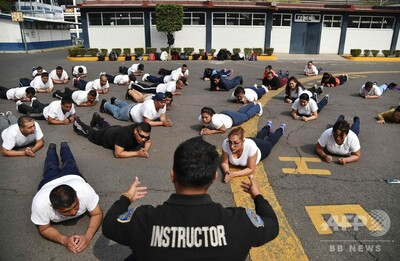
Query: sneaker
point(102, 110)
point(160, 71)
point(327, 97)
point(280, 72)
point(283, 127)
point(32, 100)
point(340, 118)
point(52, 146)
point(356, 118)
point(255, 85)
point(8, 113)
point(95, 119)
point(74, 82)
point(127, 96)
point(120, 69)
point(18, 103)
point(261, 109)
point(79, 127)
point(347, 77)
point(241, 81)
point(269, 123)
point(265, 88)
point(287, 74)
point(144, 78)
point(64, 144)
point(112, 100)
point(320, 89)
point(315, 97)
point(391, 85)
point(320, 69)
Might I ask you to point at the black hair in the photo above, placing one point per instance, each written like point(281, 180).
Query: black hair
point(269, 67)
point(30, 90)
point(216, 76)
point(66, 100)
point(184, 65)
point(183, 79)
point(304, 96)
point(310, 62)
point(195, 163)
point(169, 95)
point(287, 88)
point(238, 90)
point(341, 125)
point(23, 119)
point(45, 74)
point(140, 67)
point(59, 68)
point(80, 70)
point(397, 108)
point(368, 85)
point(144, 126)
point(132, 77)
point(92, 93)
point(207, 110)
point(62, 196)
point(39, 68)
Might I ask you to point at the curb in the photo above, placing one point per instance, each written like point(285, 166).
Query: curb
point(372, 59)
point(146, 58)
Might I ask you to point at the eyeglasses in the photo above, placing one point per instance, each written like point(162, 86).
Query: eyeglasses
point(234, 143)
point(143, 136)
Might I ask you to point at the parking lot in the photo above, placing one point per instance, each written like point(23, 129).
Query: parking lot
point(302, 190)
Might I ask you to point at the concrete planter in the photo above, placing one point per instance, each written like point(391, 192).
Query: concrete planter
point(145, 58)
point(373, 59)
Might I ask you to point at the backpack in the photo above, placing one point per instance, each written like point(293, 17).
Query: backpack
point(253, 57)
point(204, 56)
point(113, 56)
point(183, 56)
point(128, 57)
point(195, 56)
point(235, 57)
point(175, 56)
point(222, 55)
point(157, 56)
point(100, 58)
point(152, 57)
point(164, 56)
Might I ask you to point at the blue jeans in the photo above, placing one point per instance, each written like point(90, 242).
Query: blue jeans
point(265, 142)
point(383, 87)
point(81, 84)
point(322, 103)
point(110, 78)
point(260, 91)
point(227, 84)
point(120, 110)
point(244, 114)
point(51, 171)
point(155, 79)
point(355, 127)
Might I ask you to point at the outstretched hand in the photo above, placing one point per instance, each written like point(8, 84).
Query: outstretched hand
point(251, 187)
point(136, 191)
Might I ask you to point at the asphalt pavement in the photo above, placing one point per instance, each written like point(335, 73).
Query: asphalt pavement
point(302, 196)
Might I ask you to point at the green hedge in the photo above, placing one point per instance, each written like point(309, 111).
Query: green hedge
point(139, 51)
point(269, 51)
point(355, 52)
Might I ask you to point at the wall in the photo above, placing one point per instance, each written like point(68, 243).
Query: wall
point(280, 39)
point(378, 39)
point(116, 37)
point(330, 38)
point(238, 37)
point(189, 36)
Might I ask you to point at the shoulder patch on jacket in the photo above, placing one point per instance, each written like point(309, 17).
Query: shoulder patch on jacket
point(126, 217)
point(254, 218)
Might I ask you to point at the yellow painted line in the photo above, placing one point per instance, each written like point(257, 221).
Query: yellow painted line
point(372, 59)
point(302, 167)
point(338, 212)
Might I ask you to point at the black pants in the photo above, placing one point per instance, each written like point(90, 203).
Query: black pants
point(3, 92)
point(35, 112)
point(67, 93)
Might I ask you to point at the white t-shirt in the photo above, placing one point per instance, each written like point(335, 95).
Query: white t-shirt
point(133, 68)
point(166, 87)
point(217, 121)
point(37, 83)
point(249, 149)
point(76, 68)
point(147, 110)
point(53, 75)
point(169, 78)
point(296, 93)
point(121, 79)
point(306, 110)
point(80, 97)
point(17, 93)
point(54, 111)
point(375, 91)
point(312, 70)
point(179, 71)
point(249, 95)
point(95, 85)
point(350, 144)
point(43, 213)
point(12, 136)
point(34, 73)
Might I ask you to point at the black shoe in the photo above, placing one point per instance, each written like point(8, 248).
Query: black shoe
point(64, 144)
point(112, 100)
point(79, 127)
point(57, 95)
point(287, 74)
point(391, 85)
point(102, 110)
point(127, 96)
point(95, 119)
point(356, 119)
point(241, 81)
point(52, 146)
point(120, 69)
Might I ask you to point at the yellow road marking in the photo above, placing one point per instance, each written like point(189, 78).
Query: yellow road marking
point(302, 167)
point(286, 246)
point(338, 212)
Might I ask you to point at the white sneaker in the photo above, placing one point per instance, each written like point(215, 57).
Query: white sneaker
point(144, 78)
point(18, 103)
point(261, 109)
point(255, 85)
point(32, 99)
point(265, 88)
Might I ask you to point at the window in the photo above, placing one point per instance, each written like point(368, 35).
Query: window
point(281, 20)
point(374, 22)
point(194, 18)
point(332, 21)
point(239, 19)
point(109, 19)
point(95, 19)
point(153, 18)
point(137, 18)
point(122, 19)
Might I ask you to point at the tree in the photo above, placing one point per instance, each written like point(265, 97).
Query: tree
point(7, 5)
point(169, 19)
point(380, 2)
